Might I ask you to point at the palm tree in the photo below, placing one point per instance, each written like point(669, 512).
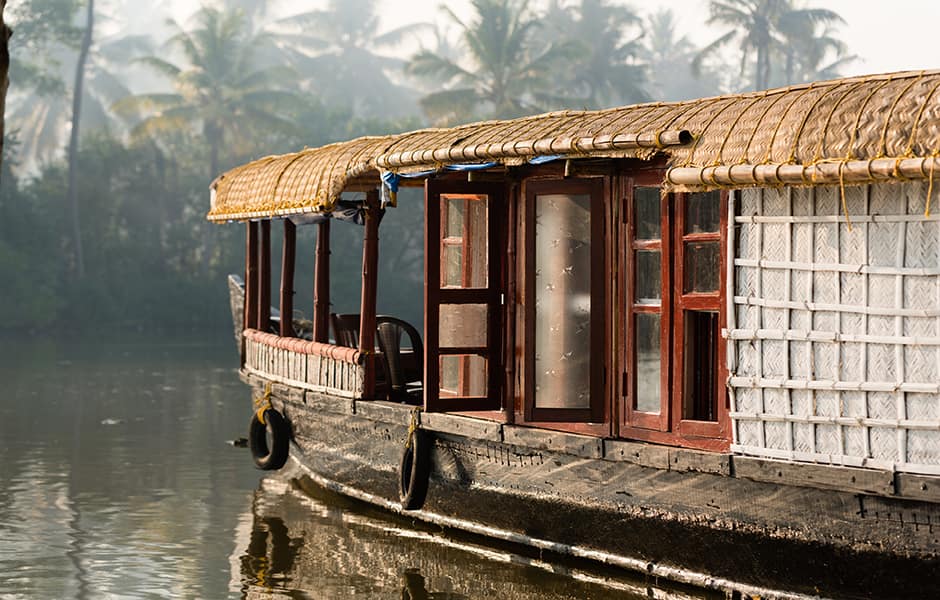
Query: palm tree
point(4, 70)
point(757, 26)
point(606, 70)
point(508, 72)
point(339, 45)
point(45, 42)
point(812, 50)
point(219, 90)
point(668, 56)
point(71, 194)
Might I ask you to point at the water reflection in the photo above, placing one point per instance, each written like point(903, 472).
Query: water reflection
point(306, 543)
point(116, 482)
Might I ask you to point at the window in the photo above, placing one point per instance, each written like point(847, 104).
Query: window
point(564, 301)
point(674, 375)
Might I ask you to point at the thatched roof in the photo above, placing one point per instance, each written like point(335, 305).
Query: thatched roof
point(849, 130)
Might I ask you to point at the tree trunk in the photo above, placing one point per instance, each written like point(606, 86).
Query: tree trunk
point(213, 133)
point(4, 69)
point(72, 193)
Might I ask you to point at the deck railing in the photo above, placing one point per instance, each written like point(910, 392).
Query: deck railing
point(314, 366)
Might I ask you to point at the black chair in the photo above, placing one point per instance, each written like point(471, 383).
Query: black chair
point(404, 371)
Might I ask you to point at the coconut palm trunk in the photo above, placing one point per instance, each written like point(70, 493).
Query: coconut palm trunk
point(72, 193)
point(4, 69)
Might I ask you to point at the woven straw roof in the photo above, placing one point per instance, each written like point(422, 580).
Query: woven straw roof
point(809, 131)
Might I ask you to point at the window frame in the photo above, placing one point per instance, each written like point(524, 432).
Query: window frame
point(669, 426)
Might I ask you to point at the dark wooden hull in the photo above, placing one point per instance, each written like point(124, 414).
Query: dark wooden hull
point(676, 514)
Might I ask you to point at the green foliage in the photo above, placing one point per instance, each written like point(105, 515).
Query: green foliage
point(768, 30)
point(605, 69)
point(44, 28)
point(234, 84)
point(509, 72)
point(219, 90)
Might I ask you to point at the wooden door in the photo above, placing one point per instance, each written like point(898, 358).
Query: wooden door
point(463, 295)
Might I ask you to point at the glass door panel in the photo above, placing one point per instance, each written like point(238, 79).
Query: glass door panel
point(563, 301)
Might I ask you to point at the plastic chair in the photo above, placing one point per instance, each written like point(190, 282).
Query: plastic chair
point(345, 329)
point(405, 372)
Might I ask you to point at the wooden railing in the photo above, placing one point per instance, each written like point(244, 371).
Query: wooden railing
point(334, 370)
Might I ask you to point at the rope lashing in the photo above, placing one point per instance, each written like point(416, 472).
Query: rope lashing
point(413, 426)
point(263, 403)
point(933, 162)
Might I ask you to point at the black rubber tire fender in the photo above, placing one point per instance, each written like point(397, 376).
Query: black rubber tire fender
point(414, 471)
point(273, 458)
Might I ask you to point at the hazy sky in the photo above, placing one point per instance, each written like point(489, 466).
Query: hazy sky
point(892, 36)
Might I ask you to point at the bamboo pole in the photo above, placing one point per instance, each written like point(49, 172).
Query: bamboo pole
point(848, 172)
point(264, 278)
point(370, 260)
point(287, 279)
point(321, 285)
point(544, 146)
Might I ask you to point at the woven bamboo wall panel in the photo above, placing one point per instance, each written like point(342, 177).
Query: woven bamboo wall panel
point(836, 340)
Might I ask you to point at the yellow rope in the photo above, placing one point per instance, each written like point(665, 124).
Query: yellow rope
point(933, 161)
point(737, 119)
point(701, 134)
point(799, 132)
point(858, 118)
point(413, 426)
point(825, 128)
point(770, 146)
point(263, 403)
point(897, 99)
point(750, 140)
point(845, 206)
point(916, 128)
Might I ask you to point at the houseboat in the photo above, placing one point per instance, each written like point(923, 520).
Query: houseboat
point(699, 340)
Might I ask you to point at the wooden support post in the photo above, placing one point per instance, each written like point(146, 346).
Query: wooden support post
point(287, 279)
point(264, 278)
point(370, 264)
point(321, 285)
point(251, 277)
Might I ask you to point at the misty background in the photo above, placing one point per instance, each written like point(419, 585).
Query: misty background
point(121, 112)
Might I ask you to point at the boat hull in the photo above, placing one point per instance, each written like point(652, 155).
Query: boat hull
point(688, 519)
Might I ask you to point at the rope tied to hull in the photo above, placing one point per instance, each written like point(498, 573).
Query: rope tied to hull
point(413, 426)
point(263, 403)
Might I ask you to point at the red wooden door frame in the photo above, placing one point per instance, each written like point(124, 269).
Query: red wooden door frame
point(435, 296)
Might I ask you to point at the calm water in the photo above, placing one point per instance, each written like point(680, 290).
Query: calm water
point(117, 481)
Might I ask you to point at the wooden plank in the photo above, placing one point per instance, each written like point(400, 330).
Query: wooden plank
point(682, 459)
point(466, 426)
point(918, 487)
point(809, 475)
point(567, 443)
point(645, 455)
point(387, 412)
point(328, 403)
point(287, 392)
